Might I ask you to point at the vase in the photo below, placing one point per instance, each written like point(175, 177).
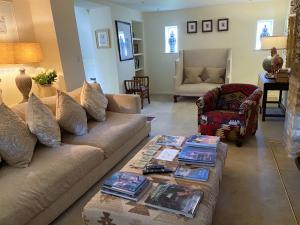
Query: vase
point(46, 90)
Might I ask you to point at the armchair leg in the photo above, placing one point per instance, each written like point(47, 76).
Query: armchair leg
point(148, 94)
point(142, 100)
point(239, 143)
point(175, 98)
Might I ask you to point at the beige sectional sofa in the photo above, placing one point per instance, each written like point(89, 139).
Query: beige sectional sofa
point(58, 177)
point(204, 58)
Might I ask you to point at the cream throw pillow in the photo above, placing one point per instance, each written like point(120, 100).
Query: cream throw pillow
point(214, 75)
point(94, 102)
point(192, 75)
point(70, 115)
point(16, 142)
point(42, 123)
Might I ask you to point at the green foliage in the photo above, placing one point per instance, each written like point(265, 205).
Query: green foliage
point(46, 78)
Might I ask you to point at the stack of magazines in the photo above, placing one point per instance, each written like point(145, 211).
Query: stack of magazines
point(200, 150)
point(126, 185)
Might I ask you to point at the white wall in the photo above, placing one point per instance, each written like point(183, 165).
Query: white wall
point(240, 37)
point(68, 42)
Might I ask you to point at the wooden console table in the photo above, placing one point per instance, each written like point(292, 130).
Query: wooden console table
point(271, 85)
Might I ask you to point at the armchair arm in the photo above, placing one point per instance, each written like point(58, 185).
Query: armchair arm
point(248, 112)
point(228, 67)
point(207, 102)
point(123, 103)
point(179, 70)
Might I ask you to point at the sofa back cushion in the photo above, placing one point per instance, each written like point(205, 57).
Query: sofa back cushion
point(192, 75)
point(233, 95)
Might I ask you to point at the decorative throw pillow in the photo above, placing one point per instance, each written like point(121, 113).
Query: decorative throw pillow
point(192, 75)
point(97, 86)
point(42, 123)
point(70, 115)
point(94, 102)
point(16, 142)
point(214, 75)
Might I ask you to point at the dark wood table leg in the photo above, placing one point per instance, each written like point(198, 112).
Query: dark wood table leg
point(264, 104)
point(280, 99)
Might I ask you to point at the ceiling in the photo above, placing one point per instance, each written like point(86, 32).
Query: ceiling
point(164, 5)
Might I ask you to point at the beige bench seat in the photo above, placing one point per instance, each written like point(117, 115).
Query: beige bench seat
point(28, 191)
point(111, 134)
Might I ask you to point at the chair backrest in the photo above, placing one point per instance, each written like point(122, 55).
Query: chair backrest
point(144, 80)
point(132, 86)
point(233, 95)
point(205, 57)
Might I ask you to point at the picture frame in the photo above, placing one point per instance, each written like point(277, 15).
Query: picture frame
point(207, 26)
point(8, 25)
point(192, 27)
point(124, 37)
point(103, 38)
point(223, 24)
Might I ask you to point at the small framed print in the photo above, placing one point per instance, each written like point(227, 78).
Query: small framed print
point(191, 27)
point(223, 25)
point(102, 38)
point(207, 26)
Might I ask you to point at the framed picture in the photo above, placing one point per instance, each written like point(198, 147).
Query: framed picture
point(223, 24)
point(8, 25)
point(102, 38)
point(191, 27)
point(207, 26)
point(124, 40)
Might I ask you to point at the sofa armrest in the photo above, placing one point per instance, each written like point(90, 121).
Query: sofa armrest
point(123, 103)
point(207, 102)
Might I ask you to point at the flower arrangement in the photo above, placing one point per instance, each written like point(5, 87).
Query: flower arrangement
point(45, 77)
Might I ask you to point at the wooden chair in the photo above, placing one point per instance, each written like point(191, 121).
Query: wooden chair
point(139, 86)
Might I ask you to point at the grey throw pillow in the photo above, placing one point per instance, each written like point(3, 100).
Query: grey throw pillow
point(214, 75)
point(42, 123)
point(94, 102)
point(16, 142)
point(70, 115)
point(193, 75)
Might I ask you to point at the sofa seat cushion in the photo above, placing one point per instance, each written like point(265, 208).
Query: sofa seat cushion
point(196, 89)
point(111, 134)
point(27, 192)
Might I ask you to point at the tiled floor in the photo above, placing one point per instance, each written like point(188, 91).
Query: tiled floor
point(251, 192)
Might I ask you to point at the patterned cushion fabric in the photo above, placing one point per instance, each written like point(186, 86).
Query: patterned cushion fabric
point(192, 75)
point(42, 123)
point(214, 75)
point(225, 124)
point(94, 102)
point(233, 95)
point(70, 115)
point(16, 142)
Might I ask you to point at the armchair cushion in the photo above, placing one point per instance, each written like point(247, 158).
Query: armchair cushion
point(233, 95)
point(192, 75)
point(214, 75)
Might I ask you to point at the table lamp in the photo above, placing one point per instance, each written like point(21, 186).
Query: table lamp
point(21, 53)
point(275, 62)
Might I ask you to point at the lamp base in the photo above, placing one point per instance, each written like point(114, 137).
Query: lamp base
point(24, 84)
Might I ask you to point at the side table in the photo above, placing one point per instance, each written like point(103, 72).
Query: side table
point(271, 85)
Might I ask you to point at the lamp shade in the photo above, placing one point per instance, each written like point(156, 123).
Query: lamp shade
point(7, 53)
point(27, 53)
point(279, 42)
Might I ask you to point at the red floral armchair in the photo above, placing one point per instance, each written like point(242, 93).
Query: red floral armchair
point(230, 112)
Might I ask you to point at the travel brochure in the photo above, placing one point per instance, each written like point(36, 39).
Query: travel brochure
point(203, 141)
point(168, 140)
point(175, 198)
point(168, 154)
point(195, 174)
